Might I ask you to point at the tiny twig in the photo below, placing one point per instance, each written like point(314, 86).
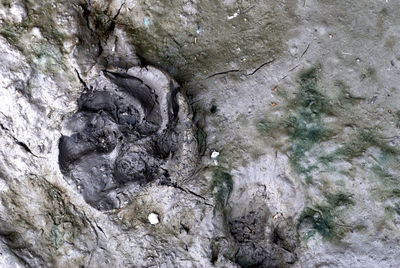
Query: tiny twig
point(305, 51)
point(220, 73)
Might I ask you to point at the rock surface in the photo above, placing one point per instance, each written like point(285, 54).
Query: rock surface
point(299, 99)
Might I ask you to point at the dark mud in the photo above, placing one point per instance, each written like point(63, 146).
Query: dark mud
point(262, 243)
point(119, 141)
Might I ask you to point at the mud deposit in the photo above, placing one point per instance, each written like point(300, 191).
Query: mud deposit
point(123, 135)
point(198, 133)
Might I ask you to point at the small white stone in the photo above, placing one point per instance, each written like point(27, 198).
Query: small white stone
point(234, 15)
point(36, 33)
point(153, 218)
point(214, 154)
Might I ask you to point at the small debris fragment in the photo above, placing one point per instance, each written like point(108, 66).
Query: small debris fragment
point(373, 99)
point(153, 218)
point(275, 89)
point(214, 156)
point(273, 104)
point(147, 21)
point(195, 40)
point(213, 109)
point(389, 111)
point(19, 93)
point(234, 15)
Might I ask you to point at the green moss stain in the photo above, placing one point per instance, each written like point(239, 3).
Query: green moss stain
point(201, 137)
point(66, 226)
point(392, 210)
point(264, 126)
point(356, 147)
point(309, 96)
point(12, 32)
point(45, 54)
point(383, 171)
point(304, 123)
point(339, 199)
point(325, 218)
point(222, 185)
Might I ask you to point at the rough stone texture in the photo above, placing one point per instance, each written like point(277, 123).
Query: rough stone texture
point(299, 97)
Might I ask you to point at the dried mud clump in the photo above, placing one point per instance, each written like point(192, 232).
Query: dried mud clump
point(132, 130)
point(261, 242)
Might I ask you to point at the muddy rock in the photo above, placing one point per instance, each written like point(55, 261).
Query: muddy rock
point(125, 135)
point(197, 133)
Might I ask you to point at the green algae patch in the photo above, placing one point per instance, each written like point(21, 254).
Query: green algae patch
point(304, 123)
point(201, 137)
point(39, 15)
point(45, 52)
point(66, 226)
point(221, 185)
point(339, 199)
point(304, 133)
point(306, 126)
point(356, 147)
point(383, 170)
point(309, 96)
point(395, 209)
point(325, 218)
point(264, 126)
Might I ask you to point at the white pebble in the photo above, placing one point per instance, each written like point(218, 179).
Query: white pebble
point(153, 218)
point(214, 156)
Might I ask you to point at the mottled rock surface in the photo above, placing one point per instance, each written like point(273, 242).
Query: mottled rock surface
point(297, 100)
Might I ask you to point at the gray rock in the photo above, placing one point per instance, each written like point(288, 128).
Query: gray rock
point(298, 97)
